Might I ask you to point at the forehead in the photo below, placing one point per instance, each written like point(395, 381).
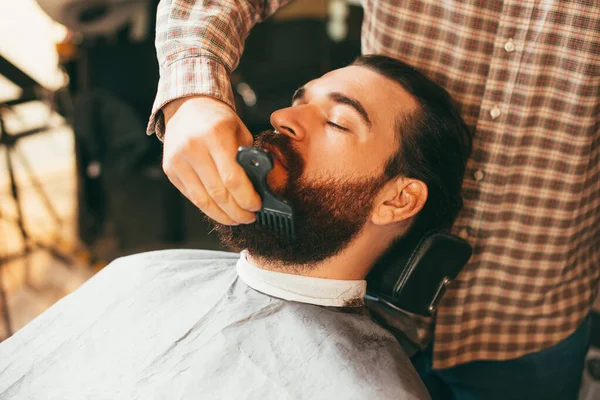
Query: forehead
point(383, 98)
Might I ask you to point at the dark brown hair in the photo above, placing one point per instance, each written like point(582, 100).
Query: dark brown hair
point(434, 143)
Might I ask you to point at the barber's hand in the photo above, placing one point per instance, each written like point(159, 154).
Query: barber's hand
point(200, 145)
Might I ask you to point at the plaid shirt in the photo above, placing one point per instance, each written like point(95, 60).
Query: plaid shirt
point(527, 74)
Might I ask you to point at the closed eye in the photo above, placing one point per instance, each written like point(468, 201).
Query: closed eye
point(336, 126)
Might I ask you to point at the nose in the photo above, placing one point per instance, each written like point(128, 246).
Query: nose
point(287, 122)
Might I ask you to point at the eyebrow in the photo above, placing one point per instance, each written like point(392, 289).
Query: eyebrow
point(341, 99)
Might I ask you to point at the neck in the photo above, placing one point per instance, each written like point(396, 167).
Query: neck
point(352, 263)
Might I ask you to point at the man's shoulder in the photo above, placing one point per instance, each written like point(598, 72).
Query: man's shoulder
point(180, 256)
point(129, 285)
point(174, 261)
point(130, 312)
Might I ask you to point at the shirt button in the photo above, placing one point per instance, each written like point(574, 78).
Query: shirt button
point(463, 234)
point(509, 46)
point(478, 175)
point(495, 112)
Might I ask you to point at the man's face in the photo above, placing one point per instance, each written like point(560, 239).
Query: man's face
point(330, 157)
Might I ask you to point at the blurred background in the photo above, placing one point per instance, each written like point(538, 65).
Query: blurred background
point(80, 181)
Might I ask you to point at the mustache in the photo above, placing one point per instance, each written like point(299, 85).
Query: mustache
point(285, 147)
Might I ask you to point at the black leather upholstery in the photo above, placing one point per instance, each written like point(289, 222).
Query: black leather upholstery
point(414, 274)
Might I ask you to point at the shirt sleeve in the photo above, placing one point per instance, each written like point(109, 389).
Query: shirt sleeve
point(198, 44)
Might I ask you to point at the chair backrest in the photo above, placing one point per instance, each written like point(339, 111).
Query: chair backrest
point(414, 274)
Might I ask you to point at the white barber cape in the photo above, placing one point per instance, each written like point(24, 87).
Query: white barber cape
point(188, 324)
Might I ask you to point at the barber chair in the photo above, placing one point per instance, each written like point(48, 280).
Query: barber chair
point(415, 273)
point(411, 278)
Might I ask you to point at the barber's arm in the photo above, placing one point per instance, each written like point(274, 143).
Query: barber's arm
point(198, 44)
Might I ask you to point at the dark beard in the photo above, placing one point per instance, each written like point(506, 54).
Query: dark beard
point(329, 213)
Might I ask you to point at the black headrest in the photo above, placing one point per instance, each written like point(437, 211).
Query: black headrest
point(415, 272)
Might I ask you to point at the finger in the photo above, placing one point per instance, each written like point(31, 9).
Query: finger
point(237, 182)
point(245, 137)
point(178, 184)
point(206, 171)
point(171, 170)
point(197, 194)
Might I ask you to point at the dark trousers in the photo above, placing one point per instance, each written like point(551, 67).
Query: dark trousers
point(553, 373)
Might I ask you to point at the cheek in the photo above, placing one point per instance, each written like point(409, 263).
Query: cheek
point(346, 159)
point(328, 159)
point(373, 159)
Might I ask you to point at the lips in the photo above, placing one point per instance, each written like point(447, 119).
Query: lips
point(276, 154)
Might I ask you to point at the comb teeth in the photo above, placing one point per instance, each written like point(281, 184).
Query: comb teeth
point(280, 223)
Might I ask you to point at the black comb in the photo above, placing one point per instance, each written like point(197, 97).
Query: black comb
point(276, 213)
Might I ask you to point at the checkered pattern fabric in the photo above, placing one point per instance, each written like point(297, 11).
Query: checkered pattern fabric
point(527, 74)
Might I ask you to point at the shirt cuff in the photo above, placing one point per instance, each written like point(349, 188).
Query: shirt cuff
point(190, 76)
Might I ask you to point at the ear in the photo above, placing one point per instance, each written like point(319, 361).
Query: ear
point(399, 200)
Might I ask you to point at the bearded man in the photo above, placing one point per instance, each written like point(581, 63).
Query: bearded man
point(366, 155)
